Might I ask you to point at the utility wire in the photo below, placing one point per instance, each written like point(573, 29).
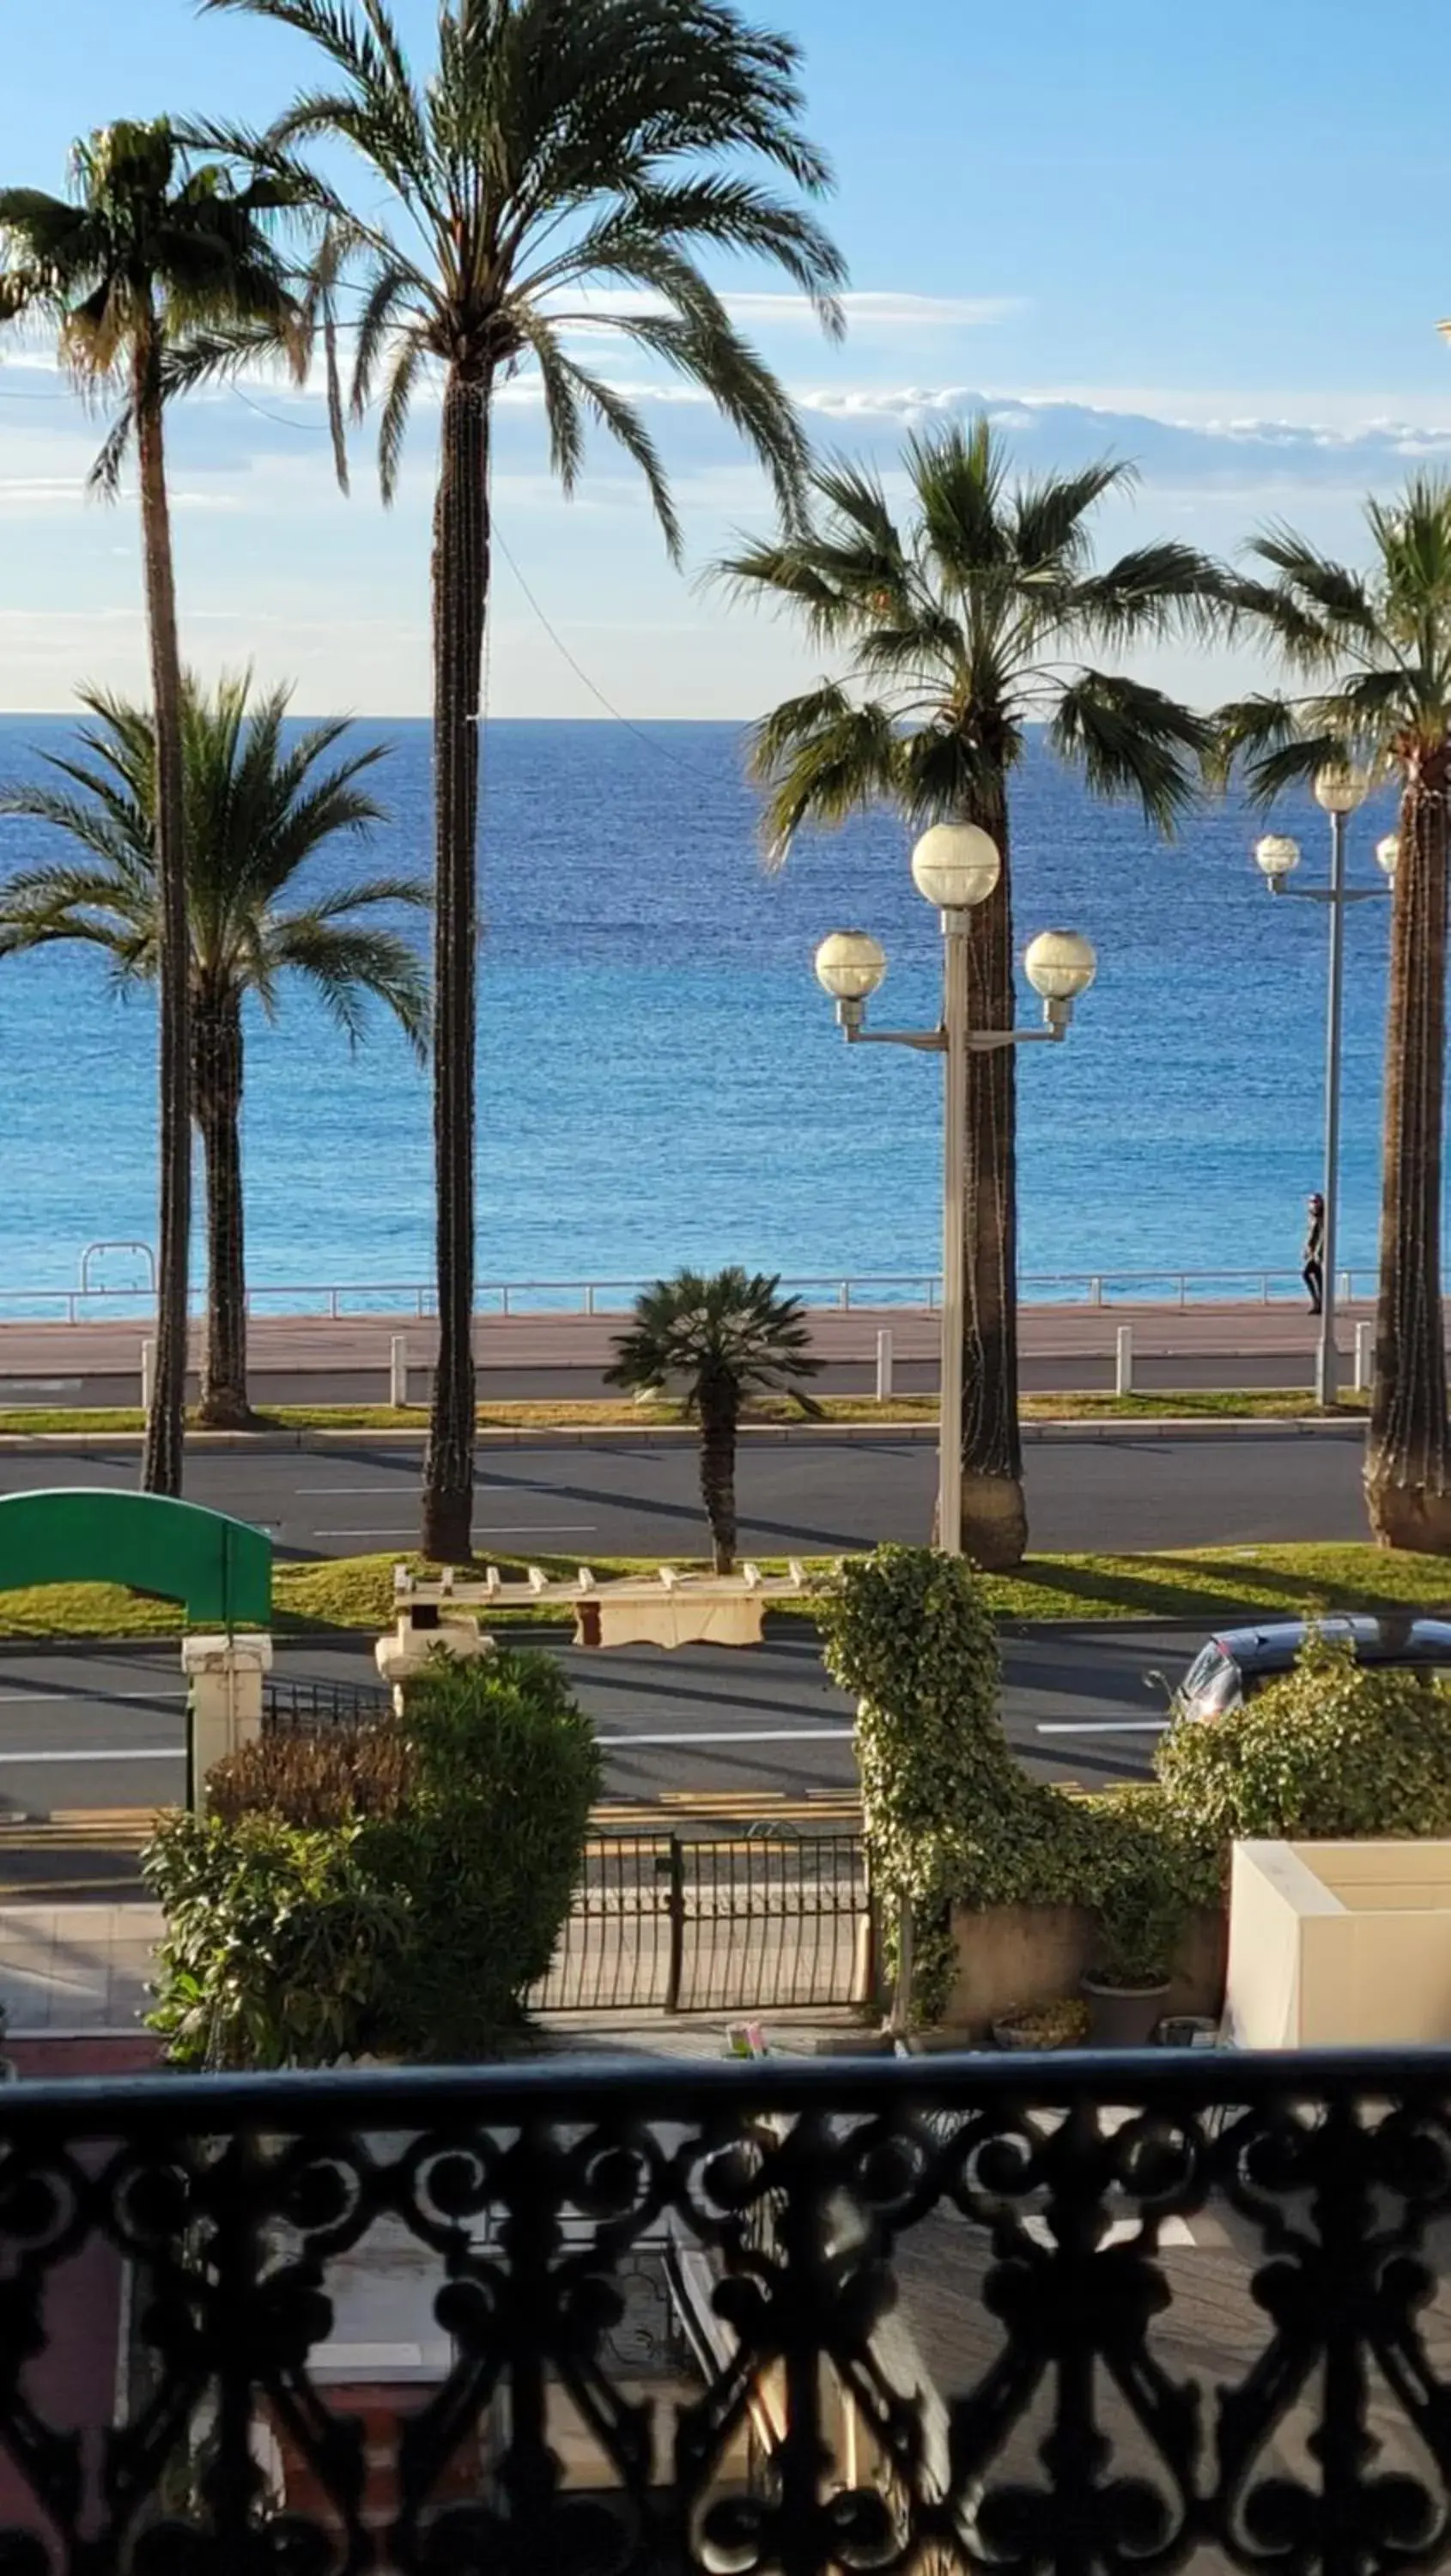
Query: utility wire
point(557, 640)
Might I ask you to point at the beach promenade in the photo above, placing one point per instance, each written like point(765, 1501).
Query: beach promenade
point(315, 1358)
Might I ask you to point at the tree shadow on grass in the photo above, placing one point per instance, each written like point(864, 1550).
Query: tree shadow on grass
point(1188, 1587)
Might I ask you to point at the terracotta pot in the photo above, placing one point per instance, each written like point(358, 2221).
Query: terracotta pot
point(1123, 2016)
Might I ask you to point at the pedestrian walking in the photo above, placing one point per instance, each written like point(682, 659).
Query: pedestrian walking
point(1313, 1273)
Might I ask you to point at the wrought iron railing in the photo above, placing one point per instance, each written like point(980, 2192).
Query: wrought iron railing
point(620, 2319)
point(399, 1300)
point(302, 1707)
point(715, 1923)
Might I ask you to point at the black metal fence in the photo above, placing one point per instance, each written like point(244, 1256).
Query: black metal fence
point(712, 1924)
point(1039, 2317)
point(301, 1707)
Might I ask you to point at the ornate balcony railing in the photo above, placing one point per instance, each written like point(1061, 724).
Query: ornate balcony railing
point(616, 2319)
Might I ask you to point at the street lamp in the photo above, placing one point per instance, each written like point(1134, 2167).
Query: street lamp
point(1339, 788)
point(954, 867)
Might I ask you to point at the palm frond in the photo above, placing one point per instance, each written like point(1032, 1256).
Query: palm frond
point(1046, 518)
point(1132, 740)
point(1156, 591)
point(821, 759)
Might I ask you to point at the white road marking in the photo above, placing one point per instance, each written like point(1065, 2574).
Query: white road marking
point(101, 1753)
point(746, 1735)
point(499, 1529)
point(1108, 1726)
point(335, 1491)
point(51, 1699)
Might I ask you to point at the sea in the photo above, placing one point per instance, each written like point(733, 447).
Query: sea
point(660, 1080)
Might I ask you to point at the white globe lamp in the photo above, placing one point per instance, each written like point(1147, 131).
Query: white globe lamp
point(1060, 965)
point(955, 866)
point(850, 965)
point(1276, 857)
point(1340, 787)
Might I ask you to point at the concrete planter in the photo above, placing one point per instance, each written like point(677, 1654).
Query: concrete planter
point(1011, 1955)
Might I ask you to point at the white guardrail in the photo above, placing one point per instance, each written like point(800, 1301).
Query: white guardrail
point(341, 1301)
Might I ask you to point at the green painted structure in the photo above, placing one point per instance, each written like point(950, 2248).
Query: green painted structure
point(219, 1568)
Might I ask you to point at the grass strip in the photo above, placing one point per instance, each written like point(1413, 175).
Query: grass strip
point(344, 1596)
point(1258, 1404)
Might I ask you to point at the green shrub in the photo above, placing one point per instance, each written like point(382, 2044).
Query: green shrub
point(489, 1842)
point(393, 1890)
point(951, 1815)
point(1334, 1749)
point(280, 1948)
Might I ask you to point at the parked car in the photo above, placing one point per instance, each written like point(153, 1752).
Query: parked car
point(1230, 1668)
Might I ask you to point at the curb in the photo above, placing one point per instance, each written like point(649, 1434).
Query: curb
point(261, 1444)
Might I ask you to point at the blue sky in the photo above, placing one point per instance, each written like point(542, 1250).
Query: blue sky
point(1214, 241)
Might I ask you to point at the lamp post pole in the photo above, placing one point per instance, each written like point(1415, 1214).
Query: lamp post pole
point(1339, 789)
point(955, 928)
point(1327, 1357)
point(954, 866)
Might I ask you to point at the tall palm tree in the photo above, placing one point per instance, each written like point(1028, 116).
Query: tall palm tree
point(1372, 652)
point(958, 629)
point(713, 1342)
point(257, 809)
point(148, 256)
point(555, 154)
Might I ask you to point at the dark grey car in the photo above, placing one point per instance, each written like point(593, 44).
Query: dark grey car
point(1231, 1667)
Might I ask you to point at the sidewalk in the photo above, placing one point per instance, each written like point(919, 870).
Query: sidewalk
point(566, 1354)
point(79, 1973)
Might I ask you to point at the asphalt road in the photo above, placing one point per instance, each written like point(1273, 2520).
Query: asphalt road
point(103, 1729)
point(808, 1496)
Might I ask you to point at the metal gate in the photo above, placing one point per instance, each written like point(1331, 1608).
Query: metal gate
point(686, 1924)
point(675, 1922)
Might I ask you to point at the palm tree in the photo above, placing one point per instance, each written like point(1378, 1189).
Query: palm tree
point(959, 629)
point(552, 152)
point(149, 257)
point(713, 1342)
point(257, 809)
point(1372, 651)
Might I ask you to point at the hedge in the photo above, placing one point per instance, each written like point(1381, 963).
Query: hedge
point(1334, 1749)
point(393, 1891)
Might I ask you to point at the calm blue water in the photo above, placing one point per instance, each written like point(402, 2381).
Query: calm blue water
point(660, 1079)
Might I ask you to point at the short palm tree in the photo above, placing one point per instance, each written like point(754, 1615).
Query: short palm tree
point(713, 1342)
point(553, 157)
point(258, 808)
point(1372, 653)
point(149, 256)
point(956, 630)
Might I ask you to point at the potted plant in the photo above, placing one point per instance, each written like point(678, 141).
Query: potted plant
point(1141, 1924)
point(1060, 2024)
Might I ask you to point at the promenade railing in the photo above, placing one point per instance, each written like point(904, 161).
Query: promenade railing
point(343, 1301)
point(1060, 2313)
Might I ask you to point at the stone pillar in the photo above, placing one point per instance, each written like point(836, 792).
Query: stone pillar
point(428, 1630)
point(226, 1699)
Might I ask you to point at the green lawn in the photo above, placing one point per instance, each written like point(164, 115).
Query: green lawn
point(603, 1414)
point(1198, 1586)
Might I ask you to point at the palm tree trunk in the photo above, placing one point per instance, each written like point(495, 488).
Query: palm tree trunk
point(1408, 1457)
point(994, 1518)
point(460, 602)
point(718, 1482)
point(161, 1468)
point(216, 1032)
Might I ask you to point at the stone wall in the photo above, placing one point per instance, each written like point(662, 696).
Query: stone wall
point(1033, 1954)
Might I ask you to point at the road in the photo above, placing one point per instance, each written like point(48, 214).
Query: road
point(809, 1495)
point(84, 1732)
